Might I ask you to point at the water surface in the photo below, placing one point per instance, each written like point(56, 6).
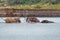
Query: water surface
point(28, 31)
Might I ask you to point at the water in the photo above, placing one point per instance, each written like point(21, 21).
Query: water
point(28, 31)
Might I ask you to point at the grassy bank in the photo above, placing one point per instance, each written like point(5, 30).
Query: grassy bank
point(36, 6)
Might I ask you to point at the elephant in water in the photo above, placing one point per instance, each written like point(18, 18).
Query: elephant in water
point(32, 20)
point(46, 21)
point(12, 20)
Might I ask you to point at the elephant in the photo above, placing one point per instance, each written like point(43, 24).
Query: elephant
point(46, 21)
point(12, 20)
point(32, 20)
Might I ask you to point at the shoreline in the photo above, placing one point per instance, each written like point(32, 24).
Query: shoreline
point(10, 12)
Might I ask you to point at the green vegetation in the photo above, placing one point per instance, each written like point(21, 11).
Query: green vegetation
point(36, 6)
point(29, 2)
point(32, 4)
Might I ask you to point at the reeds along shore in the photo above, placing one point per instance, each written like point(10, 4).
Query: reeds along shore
point(10, 12)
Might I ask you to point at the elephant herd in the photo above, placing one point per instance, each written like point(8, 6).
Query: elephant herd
point(28, 20)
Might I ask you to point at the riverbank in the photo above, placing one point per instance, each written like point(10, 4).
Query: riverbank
point(11, 12)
